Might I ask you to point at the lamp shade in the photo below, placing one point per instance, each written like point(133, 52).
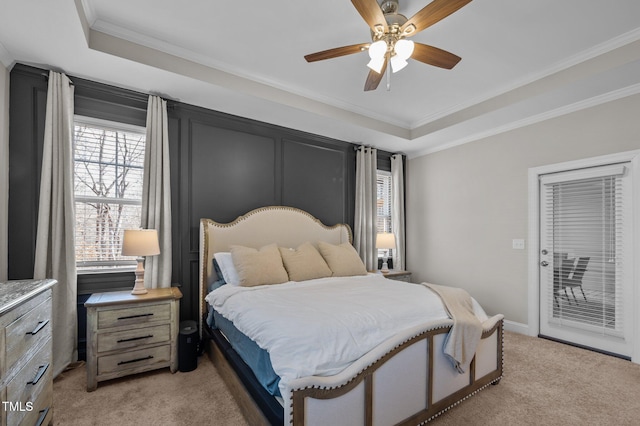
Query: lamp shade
point(376, 64)
point(378, 49)
point(386, 240)
point(404, 48)
point(397, 63)
point(140, 242)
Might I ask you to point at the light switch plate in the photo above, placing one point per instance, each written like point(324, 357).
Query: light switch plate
point(518, 244)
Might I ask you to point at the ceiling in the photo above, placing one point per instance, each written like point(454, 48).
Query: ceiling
point(522, 62)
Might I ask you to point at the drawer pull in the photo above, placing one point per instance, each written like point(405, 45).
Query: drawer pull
point(136, 360)
point(41, 325)
point(43, 415)
point(135, 316)
point(135, 338)
point(41, 370)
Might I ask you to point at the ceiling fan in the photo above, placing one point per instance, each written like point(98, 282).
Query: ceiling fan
point(389, 33)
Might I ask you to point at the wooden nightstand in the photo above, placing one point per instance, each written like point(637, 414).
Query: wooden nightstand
point(129, 334)
point(398, 275)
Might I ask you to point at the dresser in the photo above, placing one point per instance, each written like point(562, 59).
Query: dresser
point(129, 334)
point(26, 370)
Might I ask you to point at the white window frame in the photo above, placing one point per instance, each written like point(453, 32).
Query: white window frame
point(120, 265)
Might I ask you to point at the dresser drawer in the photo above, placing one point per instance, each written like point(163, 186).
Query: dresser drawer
point(140, 360)
point(133, 315)
point(32, 385)
point(28, 331)
point(134, 337)
point(40, 412)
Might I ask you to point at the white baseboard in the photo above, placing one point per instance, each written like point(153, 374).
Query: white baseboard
point(516, 327)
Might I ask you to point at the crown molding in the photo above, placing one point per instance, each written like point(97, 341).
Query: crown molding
point(584, 56)
point(5, 57)
point(151, 42)
point(537, 118)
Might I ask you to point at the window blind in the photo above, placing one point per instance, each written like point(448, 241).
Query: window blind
point(584, 233)
point(108, 175)
point(384, 213)
point(384, 201)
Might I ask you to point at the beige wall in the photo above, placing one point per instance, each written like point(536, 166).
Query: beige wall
point(466, 204)
point(4, 168)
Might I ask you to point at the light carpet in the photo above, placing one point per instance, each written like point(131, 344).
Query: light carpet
point(544, 383)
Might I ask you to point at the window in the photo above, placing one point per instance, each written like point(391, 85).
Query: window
point(108, 173)
point(384, 204)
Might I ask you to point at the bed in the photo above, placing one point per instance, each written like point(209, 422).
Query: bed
point(404, 377)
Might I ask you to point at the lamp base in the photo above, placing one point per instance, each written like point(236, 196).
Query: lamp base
point(385, 266)
point(138, 287)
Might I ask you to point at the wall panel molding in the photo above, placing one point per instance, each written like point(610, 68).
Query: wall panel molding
point(221, 166)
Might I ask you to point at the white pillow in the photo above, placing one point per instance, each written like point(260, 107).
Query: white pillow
point(228, 269)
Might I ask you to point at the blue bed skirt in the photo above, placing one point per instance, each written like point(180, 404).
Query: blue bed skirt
point(255, 357)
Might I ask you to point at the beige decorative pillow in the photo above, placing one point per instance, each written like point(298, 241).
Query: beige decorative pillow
point(343, 260)
point(259, 267)
point(304, 263)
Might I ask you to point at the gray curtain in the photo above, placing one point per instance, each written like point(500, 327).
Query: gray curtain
point(156, 193)
point(397, 208)
point(55, 255)
point(365, 224)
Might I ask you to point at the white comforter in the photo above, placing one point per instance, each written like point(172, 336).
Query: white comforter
point(318, 327)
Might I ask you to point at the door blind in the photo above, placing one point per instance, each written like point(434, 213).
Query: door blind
point(584, 218)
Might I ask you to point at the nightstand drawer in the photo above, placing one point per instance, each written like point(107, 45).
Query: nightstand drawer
point(131, 338)
point(32, 383)
point(28, 331)
point(140, 360)
point(405, 278)
point(134, 315)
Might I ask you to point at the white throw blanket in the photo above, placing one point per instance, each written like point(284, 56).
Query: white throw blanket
point(461, 342)
point(319, 327)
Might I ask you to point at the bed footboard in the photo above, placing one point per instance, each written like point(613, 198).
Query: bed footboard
point(410, 385)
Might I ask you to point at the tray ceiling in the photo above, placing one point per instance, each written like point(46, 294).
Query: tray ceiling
point(522, 62)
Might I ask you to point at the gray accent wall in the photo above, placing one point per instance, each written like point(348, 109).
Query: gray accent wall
point(221, 167)
point(466, 204)
point(4, 170)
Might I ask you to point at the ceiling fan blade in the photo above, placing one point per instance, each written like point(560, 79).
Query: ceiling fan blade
point(336, 52)
point(432, 13)
point(374, 78)
point(371, 13)
point(433, 56)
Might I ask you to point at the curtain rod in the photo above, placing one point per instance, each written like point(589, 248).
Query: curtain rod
point(359, 147)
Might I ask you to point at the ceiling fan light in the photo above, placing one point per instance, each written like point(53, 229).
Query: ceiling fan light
point(378, 49)
point(397, 63)
point(376, 64)
point(404, 48)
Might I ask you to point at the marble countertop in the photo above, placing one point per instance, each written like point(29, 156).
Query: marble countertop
point(13, 293)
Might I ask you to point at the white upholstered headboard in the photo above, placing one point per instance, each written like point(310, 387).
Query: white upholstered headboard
point(285, 226)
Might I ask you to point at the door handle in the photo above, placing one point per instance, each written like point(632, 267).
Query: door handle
point(544, 263)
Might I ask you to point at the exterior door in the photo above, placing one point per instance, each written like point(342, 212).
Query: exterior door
point(586, 267)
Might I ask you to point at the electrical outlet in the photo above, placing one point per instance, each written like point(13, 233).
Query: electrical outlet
point(518, 244)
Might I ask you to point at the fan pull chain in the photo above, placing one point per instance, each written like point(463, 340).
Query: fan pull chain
point(388, 76)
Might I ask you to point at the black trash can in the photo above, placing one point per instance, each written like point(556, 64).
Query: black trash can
point(188, 346)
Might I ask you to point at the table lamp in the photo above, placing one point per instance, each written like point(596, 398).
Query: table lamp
point(140, 243)
point(385, 241)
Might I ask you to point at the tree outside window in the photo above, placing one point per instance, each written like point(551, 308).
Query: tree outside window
point(108, 174)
